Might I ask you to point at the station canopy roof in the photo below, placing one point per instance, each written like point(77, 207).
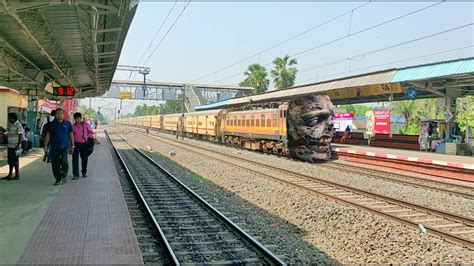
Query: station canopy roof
point(450, 78)
point(73, 43)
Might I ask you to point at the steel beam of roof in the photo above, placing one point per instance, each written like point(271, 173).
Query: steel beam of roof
point(14, 61)
point(71, 42)
point(34, 25)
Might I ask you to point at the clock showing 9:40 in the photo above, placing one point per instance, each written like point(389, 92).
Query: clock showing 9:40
point(64, 91)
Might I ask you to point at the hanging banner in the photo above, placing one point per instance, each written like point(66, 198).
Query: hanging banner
point(46, 106)
point(369, 127)
point(382, 121)
point(342, 120)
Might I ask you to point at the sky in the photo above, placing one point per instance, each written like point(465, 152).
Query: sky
point(212, 35)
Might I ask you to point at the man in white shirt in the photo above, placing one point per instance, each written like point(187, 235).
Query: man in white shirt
point(15, 137)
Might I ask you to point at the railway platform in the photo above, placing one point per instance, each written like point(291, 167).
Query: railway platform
point(442, 165)
point(84, 221)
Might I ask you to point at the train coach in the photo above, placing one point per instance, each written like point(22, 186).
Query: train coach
point(263, 129)
point(300, 128)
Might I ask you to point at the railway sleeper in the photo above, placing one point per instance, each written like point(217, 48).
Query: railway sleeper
point(212, 252)
point(465, 232)
point(447, 225)
point(201, 226)
point(206, 243)
point(429, 220)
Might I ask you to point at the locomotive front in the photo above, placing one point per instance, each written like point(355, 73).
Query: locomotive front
point(309, 127)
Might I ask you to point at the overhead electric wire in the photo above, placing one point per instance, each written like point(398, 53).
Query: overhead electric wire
point(345, 36)
point(282, 42)
point(166, 34)
point(158, 31)
point(393, 62)
point(384, 48)
point(367, 29)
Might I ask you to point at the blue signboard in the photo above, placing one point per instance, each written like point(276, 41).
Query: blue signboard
point(412, 93)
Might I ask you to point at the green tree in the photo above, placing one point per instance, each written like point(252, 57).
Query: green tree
point(465, 112)
point(171, 107)
point(284, 74)
point(142, 110)
point(358, 110)
point(92, 113)
point(256, 78)
point(415, 111)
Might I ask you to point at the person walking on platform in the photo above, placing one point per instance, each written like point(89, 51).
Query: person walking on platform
point(15, 138)
point(82, 132)
point(44, 131)
point(62, 142)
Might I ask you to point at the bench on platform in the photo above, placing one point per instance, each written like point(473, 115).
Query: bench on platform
point(356, 138)
point(409, 142)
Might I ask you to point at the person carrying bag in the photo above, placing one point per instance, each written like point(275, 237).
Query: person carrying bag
point(84, 145)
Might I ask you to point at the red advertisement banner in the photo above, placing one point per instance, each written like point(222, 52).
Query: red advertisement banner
point(382, 121)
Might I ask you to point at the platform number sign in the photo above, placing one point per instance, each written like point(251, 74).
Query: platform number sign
point(412, 93)
point(64, 91)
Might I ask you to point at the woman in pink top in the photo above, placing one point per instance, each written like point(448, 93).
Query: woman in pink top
point(82, 131)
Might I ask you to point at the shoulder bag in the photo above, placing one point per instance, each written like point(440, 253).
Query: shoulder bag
point(89, 142)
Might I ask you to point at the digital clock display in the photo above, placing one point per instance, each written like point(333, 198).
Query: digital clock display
point(64, 91)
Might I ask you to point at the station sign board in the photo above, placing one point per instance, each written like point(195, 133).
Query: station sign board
point(125, 95)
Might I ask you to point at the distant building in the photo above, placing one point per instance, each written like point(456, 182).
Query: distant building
point(12, 101)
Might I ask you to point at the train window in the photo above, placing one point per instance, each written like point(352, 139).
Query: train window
point(274, 122)
point(257, 122)
point(247, 123)
point(281, 113)
point(269, 122)
point(284, 113)
point(262, 121)
point(252, 122)
point(238, 122)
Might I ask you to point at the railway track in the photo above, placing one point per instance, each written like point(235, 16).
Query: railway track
point(430, 184)
point(451, 227)
point(192, 230)
point(454, 189)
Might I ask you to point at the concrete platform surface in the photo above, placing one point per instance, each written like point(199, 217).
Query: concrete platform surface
point(84, 221)
point(462, 162)
point(23, 204)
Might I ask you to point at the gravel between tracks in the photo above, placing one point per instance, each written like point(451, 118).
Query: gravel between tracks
point(333, 228)
point(424, 197)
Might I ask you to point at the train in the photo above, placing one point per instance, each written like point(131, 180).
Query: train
point(300, 128)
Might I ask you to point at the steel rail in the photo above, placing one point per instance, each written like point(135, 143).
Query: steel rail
point(363, 170)
point(269, 256)
point(446, 215)
point(169, 251)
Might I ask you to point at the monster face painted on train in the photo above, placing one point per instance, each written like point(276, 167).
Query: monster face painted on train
point(310, 128)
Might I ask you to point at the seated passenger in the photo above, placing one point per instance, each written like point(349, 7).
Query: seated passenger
point(347, 134)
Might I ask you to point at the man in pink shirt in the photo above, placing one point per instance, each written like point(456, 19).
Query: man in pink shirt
point(81, 131)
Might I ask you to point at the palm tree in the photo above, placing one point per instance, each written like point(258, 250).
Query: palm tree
point(256, 77)
point(284, 75)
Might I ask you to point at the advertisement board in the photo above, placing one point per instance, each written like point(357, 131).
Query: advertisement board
point(342, 120)
point(382, 121)
point(369, 127)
